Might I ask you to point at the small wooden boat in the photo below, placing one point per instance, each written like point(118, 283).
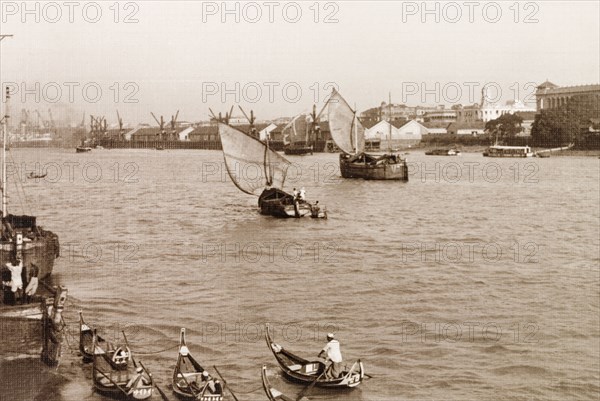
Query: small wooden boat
point(304, 371)
point(119, 356)
point(543, 155)
point(443, 152)
point(190, 380)
point(118, 383)
point(33, 175)
point(272, 393)
point(83, 149)
point(298, 149)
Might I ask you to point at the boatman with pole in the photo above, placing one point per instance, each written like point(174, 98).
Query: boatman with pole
point(332, 353)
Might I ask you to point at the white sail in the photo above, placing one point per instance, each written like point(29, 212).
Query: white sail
point(297, 130)
point(251, 165)
point(346, 130)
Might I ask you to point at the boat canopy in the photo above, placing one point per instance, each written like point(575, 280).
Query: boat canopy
point(346, 130)
point(250, 163)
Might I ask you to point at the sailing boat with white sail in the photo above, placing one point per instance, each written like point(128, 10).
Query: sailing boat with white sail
point(258, 170)
point(299, 135)
point(349, 135)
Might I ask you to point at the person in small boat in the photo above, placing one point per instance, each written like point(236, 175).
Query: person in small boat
point(302, 195)
point(135, 379)
point(315, 209)
point(208, 381)
point(295, 193)
point(332, 353)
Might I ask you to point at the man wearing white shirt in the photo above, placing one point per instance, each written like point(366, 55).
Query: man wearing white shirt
point(332, 353)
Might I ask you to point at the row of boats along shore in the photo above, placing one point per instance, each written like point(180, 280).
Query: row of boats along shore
point(116, 372)
point(28, 253)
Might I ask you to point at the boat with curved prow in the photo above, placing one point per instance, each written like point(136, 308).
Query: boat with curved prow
point(118, 356)
point(258, 170)
point(305, 371)
point(188, 380)
point(116, 383)
point(272, 393)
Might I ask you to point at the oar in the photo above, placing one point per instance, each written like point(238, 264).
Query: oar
point(162, 393)
point(225, 383)
point(311, 385)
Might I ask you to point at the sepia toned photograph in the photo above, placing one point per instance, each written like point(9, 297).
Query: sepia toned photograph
point(300, 200)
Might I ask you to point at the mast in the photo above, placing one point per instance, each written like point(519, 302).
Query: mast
point(4, 138)
point(390, 122)
point(4, 127)
point(268, 161)
point(354, 123)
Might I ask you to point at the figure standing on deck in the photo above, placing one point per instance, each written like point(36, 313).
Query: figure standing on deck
point(332, 353)
point(302, 195)
point(16, 281)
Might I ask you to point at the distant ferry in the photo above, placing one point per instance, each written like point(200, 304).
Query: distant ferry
point(508, 151)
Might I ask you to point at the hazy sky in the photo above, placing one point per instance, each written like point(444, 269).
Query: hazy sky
point(182, 54)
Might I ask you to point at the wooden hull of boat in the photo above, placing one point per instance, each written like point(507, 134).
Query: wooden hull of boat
point(272, 393)
point(115, 383)
point(41, 251)
point(300, 370)
point(116, 393)
point(396, 171)
point(118, 358)
point(82, 150)
point(298, 150)
point(277, 203)
point(442, 152)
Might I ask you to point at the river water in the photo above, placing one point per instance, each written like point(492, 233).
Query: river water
point(476, 280)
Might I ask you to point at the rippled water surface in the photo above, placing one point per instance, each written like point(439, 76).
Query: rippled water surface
point(476, 280)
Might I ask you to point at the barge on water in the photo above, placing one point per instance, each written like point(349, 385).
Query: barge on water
point(508, 151)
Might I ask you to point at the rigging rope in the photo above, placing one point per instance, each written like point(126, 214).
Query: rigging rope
point(23, 202)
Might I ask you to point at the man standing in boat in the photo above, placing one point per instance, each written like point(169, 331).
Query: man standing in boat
point(332, 353)
point(14, 287)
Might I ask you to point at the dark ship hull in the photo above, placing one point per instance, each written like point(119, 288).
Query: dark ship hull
point(277, 203)
point(298, 149)
point(368, 167)
point(37, 247)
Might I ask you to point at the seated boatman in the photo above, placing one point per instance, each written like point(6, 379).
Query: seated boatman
point(332, 352)
point(208, 381)
point(315, 209)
